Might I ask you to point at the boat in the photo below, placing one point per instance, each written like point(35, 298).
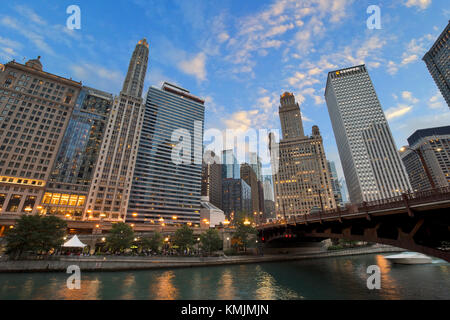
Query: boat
point(409, 258)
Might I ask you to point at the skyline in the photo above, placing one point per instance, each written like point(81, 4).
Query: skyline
point(241, 64)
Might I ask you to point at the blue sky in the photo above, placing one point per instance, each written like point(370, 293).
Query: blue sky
point(241, 55)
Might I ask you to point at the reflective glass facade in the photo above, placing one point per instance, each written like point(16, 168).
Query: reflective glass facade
point(163, 191)
point(75, 162)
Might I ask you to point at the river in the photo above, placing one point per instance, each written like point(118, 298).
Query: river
point(328, 278)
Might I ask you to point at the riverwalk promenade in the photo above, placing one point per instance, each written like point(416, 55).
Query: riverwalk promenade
point(121, 263)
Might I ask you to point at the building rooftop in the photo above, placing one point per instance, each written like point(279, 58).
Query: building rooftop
point(429, 132)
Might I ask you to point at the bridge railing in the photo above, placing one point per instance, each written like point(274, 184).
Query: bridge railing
point(407, 199)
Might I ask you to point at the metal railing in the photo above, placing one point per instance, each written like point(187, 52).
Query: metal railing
point(409, 199)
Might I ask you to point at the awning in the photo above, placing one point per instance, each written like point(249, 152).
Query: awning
point(74, 243)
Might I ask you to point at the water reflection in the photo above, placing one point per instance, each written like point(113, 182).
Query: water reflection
point(389, 287)
point(331, 278)
point(88, 291)
point(163, 288)
point(226, 285)
point(128, 287)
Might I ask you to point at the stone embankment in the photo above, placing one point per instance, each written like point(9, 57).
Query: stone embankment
point(120, 263)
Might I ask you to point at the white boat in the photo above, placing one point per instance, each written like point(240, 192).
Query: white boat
point(409, 258)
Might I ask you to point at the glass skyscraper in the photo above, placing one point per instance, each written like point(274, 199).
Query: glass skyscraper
point(163, 191)
point(72, 173)
point(372, 166)
point(230, 165)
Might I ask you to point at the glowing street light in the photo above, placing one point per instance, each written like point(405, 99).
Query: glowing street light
point(247, 222)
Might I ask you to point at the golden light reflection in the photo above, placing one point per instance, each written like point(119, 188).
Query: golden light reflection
point(226, 283)
point(389, 287)
point(165, 289)
point(89, 291)
point(129, 283)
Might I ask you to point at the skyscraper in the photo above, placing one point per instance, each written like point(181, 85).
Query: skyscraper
point(372, 166)
point(249, 176)
point(35, 108)
point(255, 163)
point(110, 189)
point(164, 190)
point(335, 183)
point(269, 204)
point(303, 180)
point(437, 61)
point(212, 180)
point(230, 165)
point(78, 154)
point(433, 144)
point(237, 197)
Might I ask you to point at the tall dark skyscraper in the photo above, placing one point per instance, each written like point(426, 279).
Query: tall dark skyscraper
point(370, 160)
point(249, 176)
point(162, 190)
point(111, 185)
point(437, 60)
point(237, 197)
point(212, 180)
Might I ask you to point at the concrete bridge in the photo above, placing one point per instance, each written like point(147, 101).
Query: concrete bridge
point(418, 222)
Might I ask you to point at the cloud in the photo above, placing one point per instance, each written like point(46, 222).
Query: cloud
point(223, 36)
point(415, 49)
point(98, 76)
point(398, 111)
point(195, 67)
point(421, 4)
point(30, 15)
point(437, 102)
point(306, 20)
point(408, 96)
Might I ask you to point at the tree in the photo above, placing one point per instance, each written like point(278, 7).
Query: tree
point(184, 238)
point(211, 241)
point(241, 236)
point(35, 234)
point(154, 243)
point(120, 237)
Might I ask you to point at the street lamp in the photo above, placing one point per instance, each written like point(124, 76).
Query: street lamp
point(422, 160)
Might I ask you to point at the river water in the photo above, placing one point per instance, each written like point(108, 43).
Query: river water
point(328, 278)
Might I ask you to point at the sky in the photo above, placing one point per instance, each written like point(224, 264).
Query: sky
point(240, 56)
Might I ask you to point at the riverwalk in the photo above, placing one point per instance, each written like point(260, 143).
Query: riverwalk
point(120, 263)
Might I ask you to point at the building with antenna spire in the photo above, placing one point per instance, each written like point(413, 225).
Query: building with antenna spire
point(110, 189)
point(303, 180)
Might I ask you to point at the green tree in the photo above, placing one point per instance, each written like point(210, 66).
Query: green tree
point(35, 234)
point(153, 243)
point(120, 237)
point(242, 235)
point(184, 238)
point(211, 241)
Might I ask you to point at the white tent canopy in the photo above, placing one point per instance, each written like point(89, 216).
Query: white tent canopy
point(74, 243)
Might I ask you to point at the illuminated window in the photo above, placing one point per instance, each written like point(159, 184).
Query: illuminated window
point(55, 198)
point(64, 199)
point(73, 200)
point(81, 200)
point(47, 198)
